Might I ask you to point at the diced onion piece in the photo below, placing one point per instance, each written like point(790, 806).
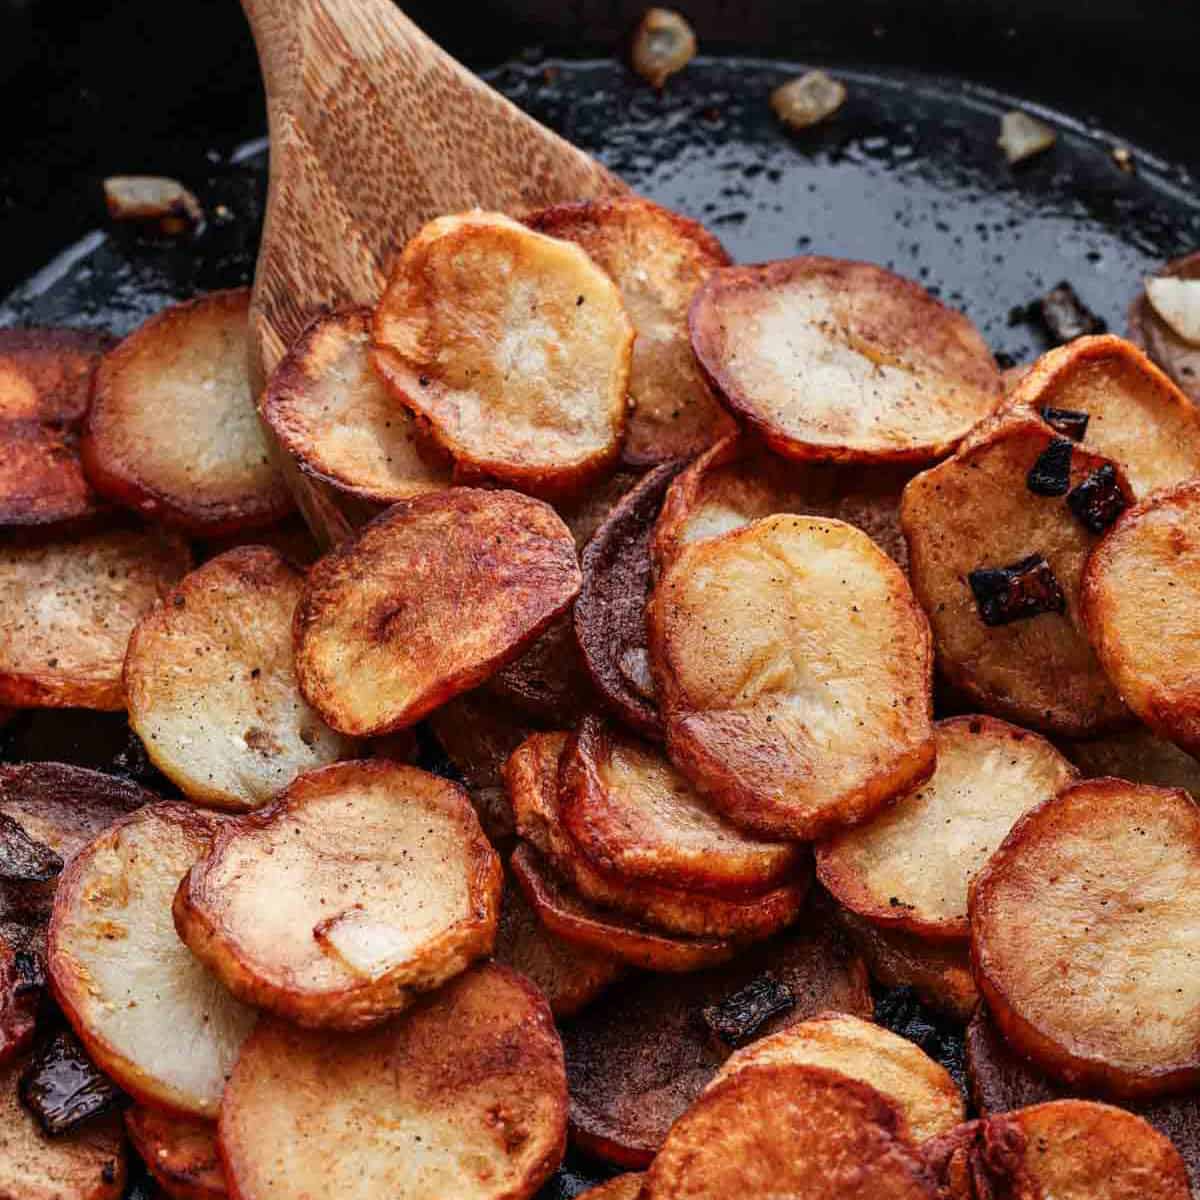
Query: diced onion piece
point(1022, 136)
point(1177, 302)
point(663, 45)
point(152, 198)
point(368, 946)
point(812, 98)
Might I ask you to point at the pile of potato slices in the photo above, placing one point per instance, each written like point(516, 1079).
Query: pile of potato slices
point(772, 648)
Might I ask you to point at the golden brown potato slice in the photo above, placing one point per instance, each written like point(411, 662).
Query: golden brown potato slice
point(910, 866)
point(293, 919)
point(923, 1090)
point(623, 1187)
point(333, 414)
point(67, 609)
point(513, 346)
point(153, 1018)
point(180, 1152)
point(1141, 605)
point(1083, 935)
point(633, 815)
point(789, 1131)
point(657, 259)
point(41, 478)
point(842, 361)
point(997, 567)
point(1140, 757)
point(464, 1096)
point(46, 374)
point(1177, 356)
point(428, 601)
point(85, 1164)
point(793, 668)
point(173, 432)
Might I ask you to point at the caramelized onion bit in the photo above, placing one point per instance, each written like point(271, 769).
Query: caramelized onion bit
point(1066, 317)
point(153, 198)
point(1098, 501)
point(1014, 593)
point(662, 46)
point(737, 1018)
point(1022, 136)
point(1050, 474)
point(62, 1087)
point(812, 98)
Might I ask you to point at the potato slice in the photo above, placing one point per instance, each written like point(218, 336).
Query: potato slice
point(86, 1164)
point(923, 1091)
point(793, 668)
point(1177, 356)
point(464, 1096)
point(976, 512)
point(173, 431)
point(20, 995)
point(46, 374)
point(211, 689)
point(841, 1137)
point(1140, 757)
point(549, 681)
point(622, 1187)
point(1141, 604)
point(842, 361)
point(638, 1061)
point(180, 1152)
point(633, 815)
point(1083, 932)
point(910, 866)
point(332, 413)
point(68, 608)
point(513, 346)
point(147, 1011)
point(291, 920)
point(657, 259)
point(429, 600)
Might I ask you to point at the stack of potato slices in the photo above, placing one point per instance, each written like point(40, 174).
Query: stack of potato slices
point(774, 651)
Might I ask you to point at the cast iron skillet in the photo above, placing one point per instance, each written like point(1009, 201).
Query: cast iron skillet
point(908, 175)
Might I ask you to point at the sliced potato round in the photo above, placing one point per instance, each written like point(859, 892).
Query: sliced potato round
point(622, 1187)
point(910, 866)
point(1137, 755)
point(1084, 934)
point(974, 513)
point(293, 919)
point(173, 431)
point(67, 609)
point(464, 1096)
point(1141, 604)
point(148, 1012)
point(180, 1152)
point(1176, 355)
point(789, 1130)
point(923, 1090)
point(46, 374)
point(633, 815)
point(794, 669)
point(429, 600)
point(549, 681)
point(657, 259)
point(333, 414)
point(41, 478)
point(513, 346)
point(842, 361)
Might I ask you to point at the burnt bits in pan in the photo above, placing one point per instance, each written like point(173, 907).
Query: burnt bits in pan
point(1050, 474)
point(1016, 592)
point(739, 1016)
point(1098, 501)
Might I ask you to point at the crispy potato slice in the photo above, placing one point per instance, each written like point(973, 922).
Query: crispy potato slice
point(513, 346)
point(67, 609)
point(211, 688)
point(332, 413)
point(429, 600)
point(532, 777)
point(633, 815)
point(41, 478)
point(623, 1187)
point(173, 432)
point(793, 668)
point(1141, 604)
point(572, 920)
point(923, 1091)
point(291, 919)
point(842, 361)
point(788, 1130)
point(86, 1164)
point(657, 259)
point(1139, 756)
point(464, 1096)
point(46, 374)
point(147, 1011)
point(976, 512)
point(910, 866)
point(180, 1152)
point(1083, 932)
point(1178, 357)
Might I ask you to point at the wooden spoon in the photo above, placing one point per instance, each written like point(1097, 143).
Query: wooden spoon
point(374, 131)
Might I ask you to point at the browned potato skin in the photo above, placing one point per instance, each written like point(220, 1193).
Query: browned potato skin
point(180, 1152)
point(18, 1015)
point(1179, 359)
point(623, 1187)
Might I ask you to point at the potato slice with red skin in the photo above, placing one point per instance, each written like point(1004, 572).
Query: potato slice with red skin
point(793, 667)
point(1178, 358)
point(976, 511)
point(430, 599)
point(46, 374)
point(910, 866)
point(1141, 604)
point(463, 1096)
point(623, 1187)
point(1083, 933)
point(180, 1152)
point(173, 432)
point(512, 346)
point(842, 361)
point(150, 1015)
point(1139, 756)
point(67, 609)
point(657, 259)
point(42, 480)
